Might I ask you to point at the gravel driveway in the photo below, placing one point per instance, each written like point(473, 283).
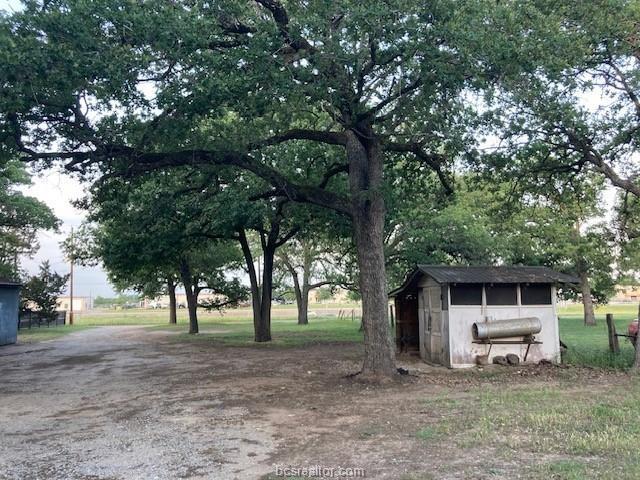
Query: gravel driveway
point(134, 403)
point(119, 402)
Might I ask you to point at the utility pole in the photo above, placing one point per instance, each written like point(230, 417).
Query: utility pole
point(71, 282)
point(259, 274)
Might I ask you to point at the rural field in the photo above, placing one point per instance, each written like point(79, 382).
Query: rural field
point(125, 395)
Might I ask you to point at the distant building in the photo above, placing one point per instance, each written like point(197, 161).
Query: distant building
point(626, 294)
point(339, 295)
point(80, 304)
point(181, 300)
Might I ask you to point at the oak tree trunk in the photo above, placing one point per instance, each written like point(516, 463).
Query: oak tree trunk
point(192, 307)
point(302, 296)
point(173, 306)
point(263, 326)
point(303, 306)
point(587, 300)
point(191, 292)
point(368, 213)
point(261, 311)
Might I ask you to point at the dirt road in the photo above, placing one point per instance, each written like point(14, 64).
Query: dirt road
point(129, 403)
point(104, 403)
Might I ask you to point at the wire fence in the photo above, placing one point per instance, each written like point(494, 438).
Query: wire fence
point(29, 319)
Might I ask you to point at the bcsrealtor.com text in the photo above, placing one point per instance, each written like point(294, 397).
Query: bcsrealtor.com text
point(319, 471)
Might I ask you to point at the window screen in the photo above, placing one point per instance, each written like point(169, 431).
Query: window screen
point(536, 294)
point(506, 294)
point(466, 294)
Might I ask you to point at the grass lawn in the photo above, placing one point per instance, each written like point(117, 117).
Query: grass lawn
point(216, 329)
point(577, 434)
point(285, 333)
point(588, 346)
point(47, 333)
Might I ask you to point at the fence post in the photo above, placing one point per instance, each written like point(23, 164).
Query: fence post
point(614, 346)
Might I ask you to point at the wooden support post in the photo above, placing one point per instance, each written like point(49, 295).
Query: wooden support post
point(391, 316)
point(614, 346)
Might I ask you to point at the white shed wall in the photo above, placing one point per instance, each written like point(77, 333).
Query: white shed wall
point(463, 351)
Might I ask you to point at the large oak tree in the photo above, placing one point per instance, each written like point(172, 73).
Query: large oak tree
point(124, 87)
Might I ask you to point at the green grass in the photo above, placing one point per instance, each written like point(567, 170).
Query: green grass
point(285, 333)
point(233, 329)
point(565, 470)
point(135, 317)
point(429, 434)
point(594, 433)
point(42, 334)
point(589, 346)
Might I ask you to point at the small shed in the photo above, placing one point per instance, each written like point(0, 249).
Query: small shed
point(9, 306)
point(452, 315)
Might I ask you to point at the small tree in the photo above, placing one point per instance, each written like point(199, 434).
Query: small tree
point(42, 291)
point(309, 263)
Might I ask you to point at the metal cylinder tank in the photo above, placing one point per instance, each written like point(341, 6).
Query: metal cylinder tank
point(513, 327)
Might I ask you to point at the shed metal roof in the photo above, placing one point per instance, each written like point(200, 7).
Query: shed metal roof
point(487, 274)
point(510, 274)
point(9, 283)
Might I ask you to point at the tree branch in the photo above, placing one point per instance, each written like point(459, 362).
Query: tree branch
point(434, 161)
point(322, 136)
point(285, 238)
point(334, 170)
point(140, 162)
point(627, 88)
point(281, 17)
point(401, 92)
point(583, 145)
point(319, 284)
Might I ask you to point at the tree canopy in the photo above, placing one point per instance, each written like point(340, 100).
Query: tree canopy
point(116, 88)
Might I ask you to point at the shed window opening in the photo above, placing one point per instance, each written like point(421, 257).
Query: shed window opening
point(466, 294)
point(536, 294)
point(506, 294)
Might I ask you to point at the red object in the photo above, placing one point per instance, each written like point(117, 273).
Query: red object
point(632, 330)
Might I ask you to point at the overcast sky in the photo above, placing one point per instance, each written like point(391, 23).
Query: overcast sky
point(58, 190)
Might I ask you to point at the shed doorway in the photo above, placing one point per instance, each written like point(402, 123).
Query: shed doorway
point(431, 306)
point(407, 330)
